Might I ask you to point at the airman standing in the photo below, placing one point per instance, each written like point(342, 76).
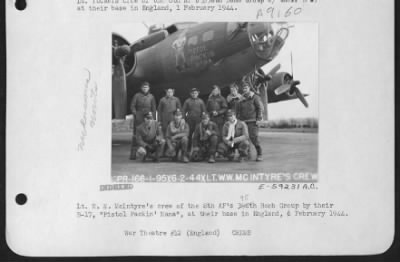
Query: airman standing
point(141, 103)
point(234, 98)
point(192, 110)
point(166, 108)
point(250, 111)
point(216, 107)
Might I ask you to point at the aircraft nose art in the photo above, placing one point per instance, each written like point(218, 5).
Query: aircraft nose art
point(265, 43)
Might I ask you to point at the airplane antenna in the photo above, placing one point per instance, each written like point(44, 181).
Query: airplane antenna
point(144, 23)
point(291, 63)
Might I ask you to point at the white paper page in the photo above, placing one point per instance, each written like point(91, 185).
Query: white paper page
point(325, 185)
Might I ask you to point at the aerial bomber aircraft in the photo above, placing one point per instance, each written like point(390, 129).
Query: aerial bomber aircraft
point(187, 55)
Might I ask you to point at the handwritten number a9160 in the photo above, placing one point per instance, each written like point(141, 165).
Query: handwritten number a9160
point(290, 11)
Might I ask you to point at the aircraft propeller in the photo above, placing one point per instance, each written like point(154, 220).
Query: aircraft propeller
point(274, 70)
point(119, 92)
point(123, 58)
point(290, 86)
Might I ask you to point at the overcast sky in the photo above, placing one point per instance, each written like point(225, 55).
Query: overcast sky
point(302, 43)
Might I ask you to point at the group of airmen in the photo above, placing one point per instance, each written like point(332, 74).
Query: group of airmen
point(196, 131)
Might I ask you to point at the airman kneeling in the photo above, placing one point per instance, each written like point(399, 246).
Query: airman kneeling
point(177, 137)
point(149, 139)
point(235, 135)
point(205, 140)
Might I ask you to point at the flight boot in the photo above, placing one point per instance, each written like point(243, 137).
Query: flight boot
point(158, 153)
point(231, 155)
point(259, 154)
point(211, 159)
point(156, 157)
point(133, 153)
point(133, 149)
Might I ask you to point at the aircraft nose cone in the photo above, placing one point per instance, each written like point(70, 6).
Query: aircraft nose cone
point(260, 27)
point(260, 31)
point(265, 43)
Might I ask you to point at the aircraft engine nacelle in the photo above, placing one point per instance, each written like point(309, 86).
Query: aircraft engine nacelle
point(149, 40)
point(284, 88)
point(122, 50)
point(129, 56)
point(279, 79)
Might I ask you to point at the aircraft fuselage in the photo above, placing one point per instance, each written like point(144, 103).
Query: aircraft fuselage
point(199, 56)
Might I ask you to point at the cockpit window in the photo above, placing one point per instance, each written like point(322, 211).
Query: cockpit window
point(265, 43)
point(261, 37)
point(283, 33)
point(208, 36)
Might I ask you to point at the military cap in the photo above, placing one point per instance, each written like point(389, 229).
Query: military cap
point(234, 86)
point(205, 115)
point(194, 89)
point(145, 83)
point(177, 112)
point(230, 112)
point(245, 83)
point(148, 115)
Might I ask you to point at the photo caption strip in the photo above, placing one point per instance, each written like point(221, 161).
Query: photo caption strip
point(262, 9)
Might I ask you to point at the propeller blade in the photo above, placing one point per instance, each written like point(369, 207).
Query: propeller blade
point(300, 96)
point(119, 95)
point(274, 70)
point(295, 83)
point(282, 89)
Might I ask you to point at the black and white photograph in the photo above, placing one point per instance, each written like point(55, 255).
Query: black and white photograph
point(217, 99)
point(199, 128)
